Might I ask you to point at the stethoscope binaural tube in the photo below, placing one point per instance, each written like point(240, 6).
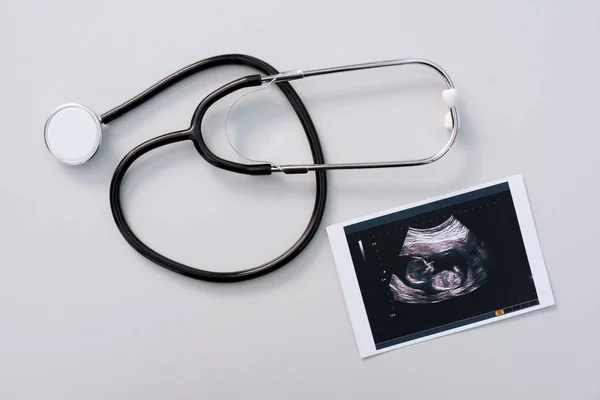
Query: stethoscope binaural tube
point(451, 121)
point(193, 134)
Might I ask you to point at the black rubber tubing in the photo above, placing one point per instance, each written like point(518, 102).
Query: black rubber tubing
point(194, 134)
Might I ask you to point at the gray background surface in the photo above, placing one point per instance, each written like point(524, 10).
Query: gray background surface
point(83, 316)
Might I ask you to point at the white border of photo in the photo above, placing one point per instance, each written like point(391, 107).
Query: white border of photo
point(351, 290)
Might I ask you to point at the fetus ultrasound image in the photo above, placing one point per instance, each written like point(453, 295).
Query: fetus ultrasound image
point(441, 265)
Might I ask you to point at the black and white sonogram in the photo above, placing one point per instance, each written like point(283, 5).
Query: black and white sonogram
point(441, 266)
point(446, 261)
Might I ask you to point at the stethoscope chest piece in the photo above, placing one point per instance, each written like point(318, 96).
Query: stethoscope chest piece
point(73, 134)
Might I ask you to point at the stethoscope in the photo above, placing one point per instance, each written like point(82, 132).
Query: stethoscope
point(73, 134)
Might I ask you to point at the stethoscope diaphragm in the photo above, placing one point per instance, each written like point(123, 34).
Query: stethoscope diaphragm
point(73, 134)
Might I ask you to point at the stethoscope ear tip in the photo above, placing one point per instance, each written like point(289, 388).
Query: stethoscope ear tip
point(450, 97)
point(73, 134)
point(448, 123)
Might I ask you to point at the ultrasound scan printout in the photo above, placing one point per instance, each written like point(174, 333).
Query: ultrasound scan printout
point(440, 266)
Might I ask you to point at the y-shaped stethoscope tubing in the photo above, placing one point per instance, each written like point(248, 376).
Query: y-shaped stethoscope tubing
point(193, 134)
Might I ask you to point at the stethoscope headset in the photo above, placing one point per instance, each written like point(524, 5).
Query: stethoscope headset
point(73, 134)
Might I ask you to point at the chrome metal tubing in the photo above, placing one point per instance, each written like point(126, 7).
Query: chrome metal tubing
point(299, 74)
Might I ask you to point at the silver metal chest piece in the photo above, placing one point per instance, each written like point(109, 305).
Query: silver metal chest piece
point(73, 134)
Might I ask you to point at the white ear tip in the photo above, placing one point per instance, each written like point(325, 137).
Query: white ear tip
point(450, 97)
point(448, 121)
point(73, 134)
